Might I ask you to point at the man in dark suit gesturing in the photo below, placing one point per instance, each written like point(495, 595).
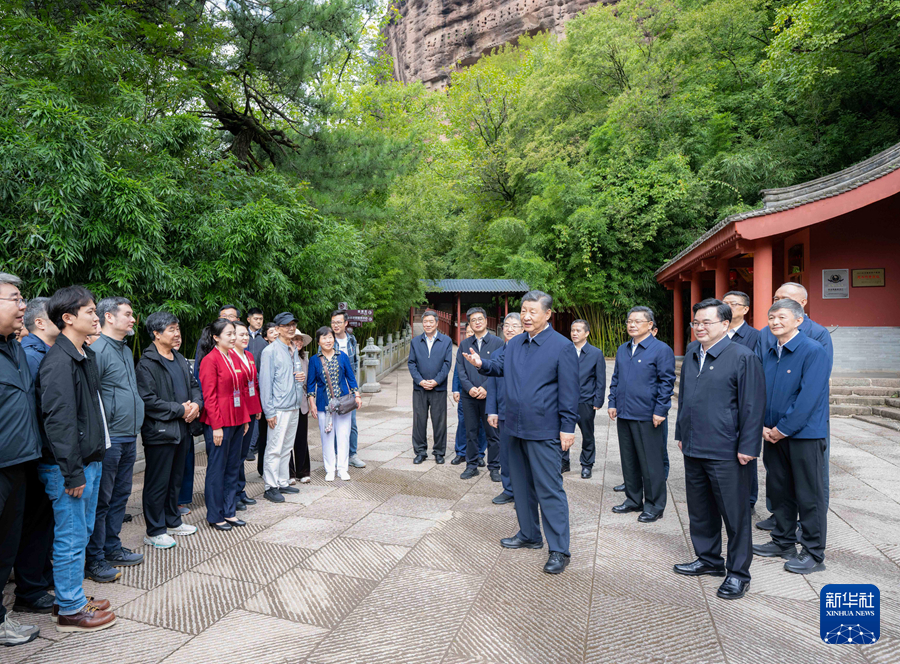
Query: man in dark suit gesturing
point(540, 372)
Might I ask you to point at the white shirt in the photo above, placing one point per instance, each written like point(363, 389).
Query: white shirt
point(429, 341)
point(780, 346)
point(704, 352)
point(343, 344)
point(731, 331)
point(578, 351)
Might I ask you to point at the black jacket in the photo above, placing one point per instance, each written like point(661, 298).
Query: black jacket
point(721, 407)
point(468, 374)
point(19, 438)
point(68, 392)
point(163, 423)
point(746, 336)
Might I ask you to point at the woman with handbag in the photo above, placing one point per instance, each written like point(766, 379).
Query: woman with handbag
point(333, 396)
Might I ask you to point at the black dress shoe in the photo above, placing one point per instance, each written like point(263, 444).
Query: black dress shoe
point(774, 550)
point(458, 460)
point(481, 463)
point(766, 524)
point(698, 568)
point(516, 543)
point(288, 489)
point(236, 522)
point(43, 604)
point(733, 588)
point(240, 507)
point(469, 473)
point(439, 460)
point(503, 499)
point(556, 563)
point(273, 495)
point(647, 517)
point(619, 487)
point(127, 518)
point(221, 526)
point(566, 467)
point(586, 472)
point(804, 563)
point(495, 476)
point(248, 501)
point(419, 459)
point(624, 508)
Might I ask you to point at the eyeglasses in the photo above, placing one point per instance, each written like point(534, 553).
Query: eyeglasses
point(636, 321)
point(20, 301)
point(700, 325)
point(477, 319)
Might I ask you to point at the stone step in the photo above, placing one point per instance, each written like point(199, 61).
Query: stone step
point(887, 412)
point(851, 382)
point(880, 421)
point(849, 410)
point(857, 400)
point(886, 382)
point(893, 403)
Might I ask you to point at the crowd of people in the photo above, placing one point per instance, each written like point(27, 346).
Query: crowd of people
point(73, 402)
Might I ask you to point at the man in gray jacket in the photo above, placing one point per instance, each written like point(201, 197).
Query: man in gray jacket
point(281, 391)
point(124, 410)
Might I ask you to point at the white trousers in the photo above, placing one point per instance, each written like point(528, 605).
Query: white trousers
point(279, 446)
point(340, 432)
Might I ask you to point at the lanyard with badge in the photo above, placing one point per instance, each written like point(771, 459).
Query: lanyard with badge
point(235, 383)
point(251, 371)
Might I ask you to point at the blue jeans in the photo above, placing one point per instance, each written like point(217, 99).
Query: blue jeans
point(112, 496)
point(460, 445)
point(74, 523)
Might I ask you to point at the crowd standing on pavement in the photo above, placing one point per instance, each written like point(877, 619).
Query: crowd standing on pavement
point(73, 403)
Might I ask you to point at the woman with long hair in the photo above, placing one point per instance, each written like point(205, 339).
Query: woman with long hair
point(331, 377)
point(299, 464)
point(250, 389)
point(225, 418)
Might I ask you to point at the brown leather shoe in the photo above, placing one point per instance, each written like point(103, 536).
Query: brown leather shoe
point(101, 604)
point(89, 619)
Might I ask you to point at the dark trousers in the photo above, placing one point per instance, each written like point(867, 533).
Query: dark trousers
point(665, 428)
point(642, 447)
point(299, 465)
point(719, 491)
point(505, 480)
point(34, 566)
point(112, 496)
point(537, 482)
point(795, 482)
point(162, 481)
point(586, 414)
point(423, 401)
point(186, 494)
point(475, 413)
point(460, 447)
point(222, 468)
point(826, 475)
point(12, 509)
point(261, 440)
point(245, 450)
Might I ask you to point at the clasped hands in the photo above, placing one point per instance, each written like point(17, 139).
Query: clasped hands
point(191, 411)
point(772, 435)
point(428, 384)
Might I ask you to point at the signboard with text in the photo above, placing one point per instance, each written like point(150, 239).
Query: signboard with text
point(835, 284)
point(868, 278)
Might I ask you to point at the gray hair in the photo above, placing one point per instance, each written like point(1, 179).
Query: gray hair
point(110, 305)
point(37, 308)
point(513, 316)
point(158, 322)
point(787, 303)
point(429, 313)
point(647, 311)
point(799, 287)
point(540, 297)
point(11, 279)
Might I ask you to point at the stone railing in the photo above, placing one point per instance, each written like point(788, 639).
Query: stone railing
point(382, 358)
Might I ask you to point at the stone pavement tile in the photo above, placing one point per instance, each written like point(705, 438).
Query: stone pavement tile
point(242, 636)
point(626, 629)
point(440, 482)
point(411, 617)
point(646, 581)
point(384, 475)
point(843, 537)
point(208, 538)
point(302, 532)
point(348, 510)
point(16, 654)
point(665, 548)
point(418, 506)
point(454, 550)
point(159, 566)
point(768, 577)
point(390, 529)
point(265, 513)
point(190, 602)
point(255, 561)
point(363, 559)
point(480, 503)
point(843, 567)
point(126, 641)
point(310, 596)
point(525, 616)
point(406, 464)
point(366, 490)
point(371, 453)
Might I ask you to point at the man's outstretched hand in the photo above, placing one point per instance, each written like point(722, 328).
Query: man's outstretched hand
point(473, 358)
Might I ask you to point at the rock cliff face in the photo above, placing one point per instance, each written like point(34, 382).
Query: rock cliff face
point(432, 38)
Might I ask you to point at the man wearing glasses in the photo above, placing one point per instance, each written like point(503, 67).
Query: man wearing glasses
point(721, 404)
point(739, 331)
point(640, 395)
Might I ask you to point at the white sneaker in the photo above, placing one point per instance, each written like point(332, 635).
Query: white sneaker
point(329, 477)
point(305, 480)
point(183, 529)
point(160, 541)
point(356, 462)
point(344, 475)
point(13, 633)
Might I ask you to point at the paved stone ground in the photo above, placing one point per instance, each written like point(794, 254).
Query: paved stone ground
point(402, 564)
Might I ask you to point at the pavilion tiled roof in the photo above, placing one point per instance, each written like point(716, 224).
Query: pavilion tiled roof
point(475, 286)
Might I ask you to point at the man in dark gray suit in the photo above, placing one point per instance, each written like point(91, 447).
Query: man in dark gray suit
point(430, 359)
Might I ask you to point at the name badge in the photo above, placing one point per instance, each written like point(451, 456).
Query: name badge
point(252, 391)
point(237, 399)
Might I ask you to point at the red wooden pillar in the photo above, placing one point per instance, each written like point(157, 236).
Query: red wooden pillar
point(678, 306)
point(763, 288)
point(458, 318)
point(412, 317)
point(505, 306)
point(721, 277)
point(696, 290)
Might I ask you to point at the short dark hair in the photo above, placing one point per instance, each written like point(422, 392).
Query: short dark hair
point(741, 294)
point(268, 326)
point(37, 308)
point(254, 311)
point(239, 323)
point(791, 305)
point(647, 311)
point(475, 310)
point(540, 297)
point(323, 331)
point(110, 305)
point(158, 322)
point(229, 306)
point(587, 328)
point(68, 300)
point(339, 312)
point(721, 308)
point(429, 312)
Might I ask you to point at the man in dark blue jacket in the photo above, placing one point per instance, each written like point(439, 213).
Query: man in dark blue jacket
point(592, 375)
point(430, 359)
point(740, 331)
point(640, 395)
point(496, 411)
point(474, 395)
point(719, 425)
point(460, 442)
point(540, 372)
point(796, 424)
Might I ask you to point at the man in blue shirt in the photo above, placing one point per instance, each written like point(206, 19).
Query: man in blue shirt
point(796, 424)
point(430, 359)
point(496, 411)
point(540, 371)
point(640, 395)
point(592, 376)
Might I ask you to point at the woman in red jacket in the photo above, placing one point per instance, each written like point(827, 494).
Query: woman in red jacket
point(251, 394)
point(225, 418)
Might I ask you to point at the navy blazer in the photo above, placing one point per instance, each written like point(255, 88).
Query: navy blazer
point(797, 388)
point(810, 328)
point(746, 336)
point(469, 376)
point(720, 408)
point(642, 384)
point(317, 384)
point(541, 381)
point(592, 374)
point(496, 396)
point(435, 366)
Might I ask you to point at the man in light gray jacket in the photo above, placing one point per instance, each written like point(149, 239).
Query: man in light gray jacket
point(281, 391)
point(124, 412)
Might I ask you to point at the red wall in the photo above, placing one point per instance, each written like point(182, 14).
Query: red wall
point(867, 238)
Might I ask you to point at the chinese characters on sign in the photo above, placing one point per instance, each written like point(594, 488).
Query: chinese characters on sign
point(850, 613)
point(835, 284)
